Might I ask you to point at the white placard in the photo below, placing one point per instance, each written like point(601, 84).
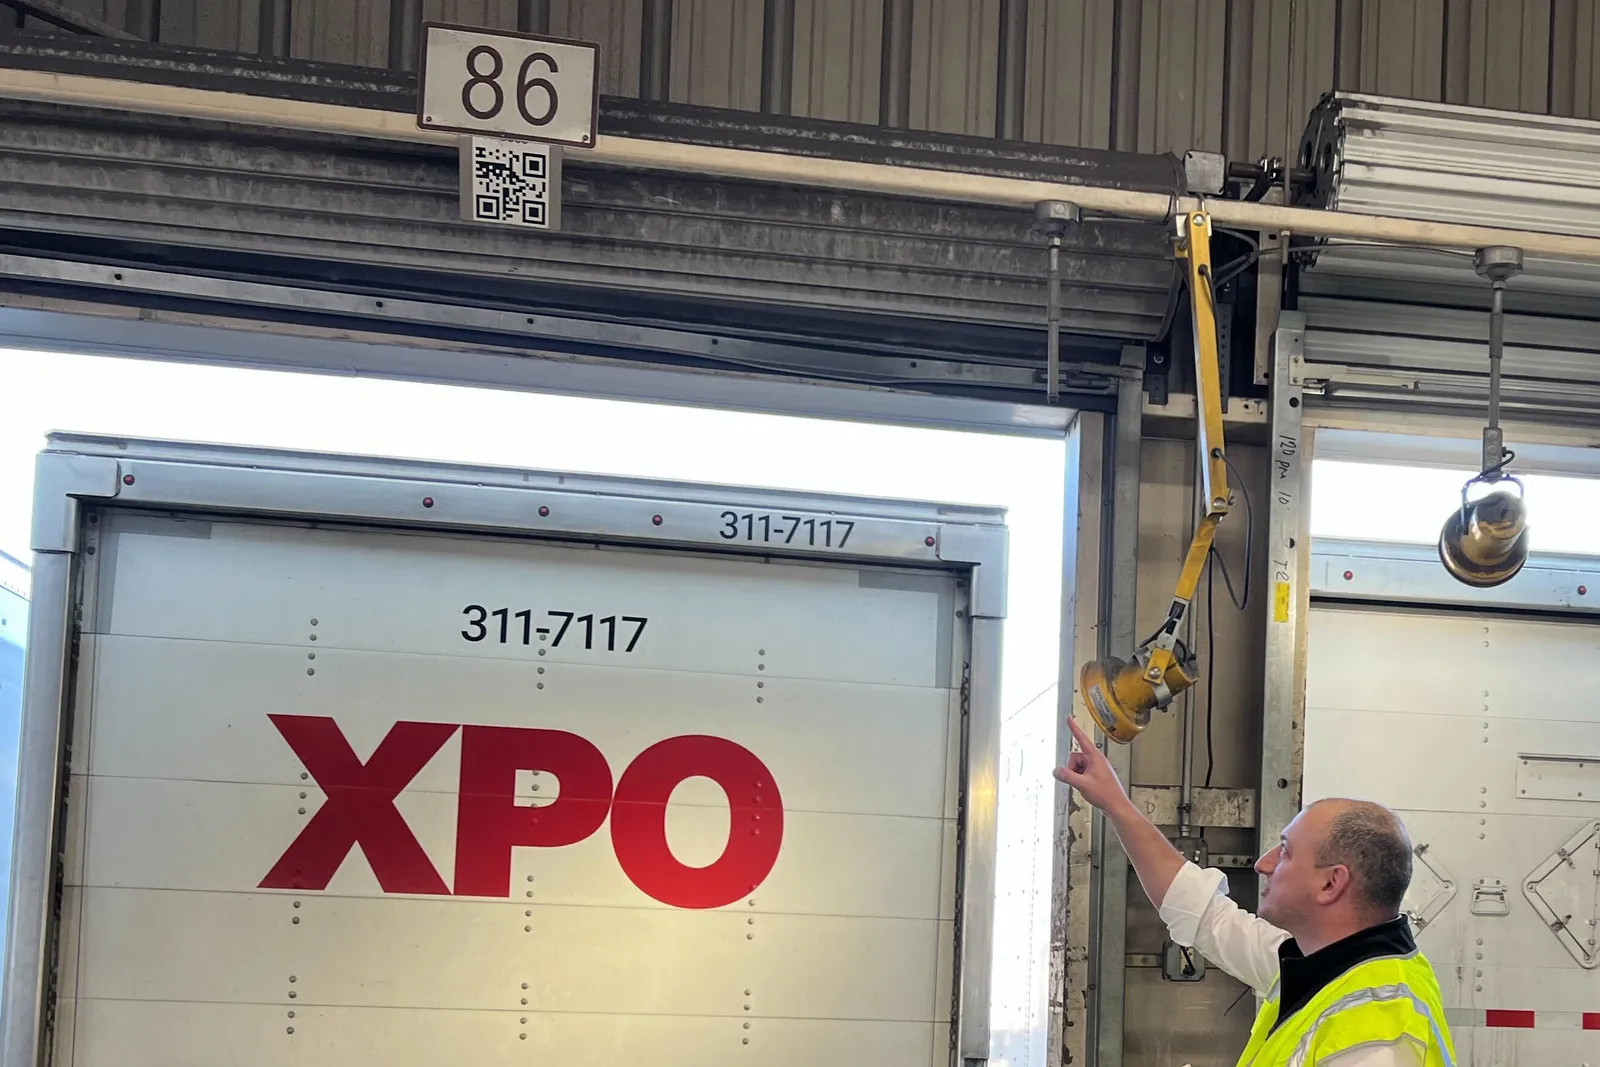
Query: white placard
point(532, 88)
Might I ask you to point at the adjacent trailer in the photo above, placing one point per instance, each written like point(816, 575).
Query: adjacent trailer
point(330, 760)
point(1471, 713)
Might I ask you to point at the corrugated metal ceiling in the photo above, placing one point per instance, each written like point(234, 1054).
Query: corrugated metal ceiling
point(1137, 75)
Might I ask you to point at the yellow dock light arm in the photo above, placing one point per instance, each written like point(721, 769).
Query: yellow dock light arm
point(1121, 694)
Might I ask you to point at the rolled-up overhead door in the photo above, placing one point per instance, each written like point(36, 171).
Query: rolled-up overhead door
point(107, 202)
point(1410, 325)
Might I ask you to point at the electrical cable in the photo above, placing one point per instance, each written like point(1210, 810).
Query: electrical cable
point(1240, 602)
point(1215, 561)
point(1211, 667)
point(1214, 558)
point(1226, 273)
point(1236, 267)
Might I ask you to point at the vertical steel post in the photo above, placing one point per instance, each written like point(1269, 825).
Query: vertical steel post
point(777, 57)
point(39, 772)
point(143, 19)
point(405, 28)
point(1052, 362)
point(1288, 556)
point(1082, 547)
point(894, 77)
point(978, 843)
point(1127, 41)
point(1011, 77)
point(25, 1002)
point(273, 37)
point(655, 51)
point(1108, 903)
point(533, 16)
point(1291, 113)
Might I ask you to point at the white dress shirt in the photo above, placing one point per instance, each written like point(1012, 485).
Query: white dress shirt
point(1200, 915)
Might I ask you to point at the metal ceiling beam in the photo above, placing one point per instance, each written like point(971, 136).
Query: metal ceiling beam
point(786, 169)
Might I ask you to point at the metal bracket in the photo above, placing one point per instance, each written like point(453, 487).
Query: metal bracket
point(62, 480)
point(1269, 298)
point(1179, 964)
point(1320, 374)
point(1225, 309)
point(1193, 849)
point(986, 549)
point(1489, 897)
point(1565, 891)
point(1204, 173)
point(1432, 889)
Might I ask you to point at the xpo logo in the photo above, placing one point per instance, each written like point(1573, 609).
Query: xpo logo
point(491, 821)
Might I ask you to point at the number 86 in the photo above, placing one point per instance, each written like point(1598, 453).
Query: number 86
point(524, 85)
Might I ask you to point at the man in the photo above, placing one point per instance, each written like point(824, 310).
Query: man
point(1344, 983)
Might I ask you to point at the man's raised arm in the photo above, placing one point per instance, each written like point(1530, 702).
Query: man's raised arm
point(1193, 902)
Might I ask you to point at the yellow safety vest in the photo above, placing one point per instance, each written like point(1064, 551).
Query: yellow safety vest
point(1375, 1002)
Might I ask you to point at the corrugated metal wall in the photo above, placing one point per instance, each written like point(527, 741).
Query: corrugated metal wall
point(1142, 75)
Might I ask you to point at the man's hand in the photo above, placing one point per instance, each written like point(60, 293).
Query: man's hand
point(1089, 773)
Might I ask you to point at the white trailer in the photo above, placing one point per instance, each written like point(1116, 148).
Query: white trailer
point(331, 761)
point(1471, 712)
point(13, 627)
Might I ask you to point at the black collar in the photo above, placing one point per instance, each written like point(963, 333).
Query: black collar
point(1301, 977)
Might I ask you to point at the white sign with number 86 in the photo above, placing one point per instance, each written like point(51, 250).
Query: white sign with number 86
point(532, 88)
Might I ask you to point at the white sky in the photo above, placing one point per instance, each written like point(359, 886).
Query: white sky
point(45, 392)
point(1412, 503)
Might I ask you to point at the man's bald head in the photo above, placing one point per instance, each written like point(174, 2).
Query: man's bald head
point(1372, 843)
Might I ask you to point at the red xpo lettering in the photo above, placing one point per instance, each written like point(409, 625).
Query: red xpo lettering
point(490, 821)
point(360, 808)
point(639, 821)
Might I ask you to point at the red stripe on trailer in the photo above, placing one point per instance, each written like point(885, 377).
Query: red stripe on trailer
point(1504, 1019)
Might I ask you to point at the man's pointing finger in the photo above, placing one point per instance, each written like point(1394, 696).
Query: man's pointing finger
point(1080, 733)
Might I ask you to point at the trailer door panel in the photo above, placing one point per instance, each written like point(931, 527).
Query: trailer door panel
point(351, 795)
point(1476, 728)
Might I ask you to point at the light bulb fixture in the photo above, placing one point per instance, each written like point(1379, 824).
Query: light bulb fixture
point(1484, 542)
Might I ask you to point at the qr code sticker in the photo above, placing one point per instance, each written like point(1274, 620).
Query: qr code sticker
point(509, 182)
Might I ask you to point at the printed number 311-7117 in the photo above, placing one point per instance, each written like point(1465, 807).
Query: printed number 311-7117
point(503, 626)
point(785, 529)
